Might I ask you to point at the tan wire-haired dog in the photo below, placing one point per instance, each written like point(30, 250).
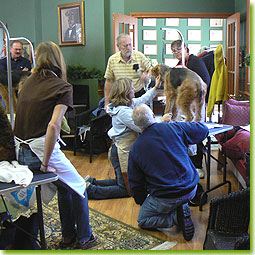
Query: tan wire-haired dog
point(184, 90)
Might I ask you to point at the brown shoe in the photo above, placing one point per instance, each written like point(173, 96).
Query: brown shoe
point(86, 244)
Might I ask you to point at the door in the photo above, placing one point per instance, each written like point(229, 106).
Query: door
point(125, 24)
point(232, 52)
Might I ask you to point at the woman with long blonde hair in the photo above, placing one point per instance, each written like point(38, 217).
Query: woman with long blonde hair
point(42, 103)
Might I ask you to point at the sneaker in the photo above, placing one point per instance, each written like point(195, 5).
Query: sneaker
point(85, 244)
point(185, 222)
point(87, 184)
point(201, 173)
point(67, 242)
point(87, 178)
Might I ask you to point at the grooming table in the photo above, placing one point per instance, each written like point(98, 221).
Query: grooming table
point(39, 178)
point(215, 129)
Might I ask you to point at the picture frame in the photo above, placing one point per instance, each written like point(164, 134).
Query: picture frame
point(26, 53)
point(149, 35)
point(150, 49)
point(194, 35)
point(71, 24)
point(171, 62)
point(172, 22)
point(194, 48)
point(150, 22)
point(216, 35)
point(168, 49)
point(171, 35)
point(216, 22)
point(194, 22)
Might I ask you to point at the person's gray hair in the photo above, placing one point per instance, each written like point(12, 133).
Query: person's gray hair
point(143, 116)
point(118, 39)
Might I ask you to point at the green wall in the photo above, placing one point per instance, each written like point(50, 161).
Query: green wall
point(179, 6)
point(38, 21)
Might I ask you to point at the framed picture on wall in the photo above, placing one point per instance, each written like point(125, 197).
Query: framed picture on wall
point(168, 49)
point(172, 62)
point(216, 22)
point(172, 22)
point(150, 35)
point(194, 48)
point(172, 35)
point(150, 22)
point(216, 35)
point(27, 51)
point(194, 22)
point(150, 49)
point(194, 35)
point(71, 24)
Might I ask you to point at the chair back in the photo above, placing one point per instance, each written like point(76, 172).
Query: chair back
point(230, 213)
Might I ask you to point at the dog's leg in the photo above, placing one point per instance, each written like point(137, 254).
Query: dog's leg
point(186, 94)
point(200, 104)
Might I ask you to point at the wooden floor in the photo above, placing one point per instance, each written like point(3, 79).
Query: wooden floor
point(126, 210)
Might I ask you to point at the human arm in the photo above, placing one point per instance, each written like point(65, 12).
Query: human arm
point(52, 134)
point(198, 66)
point(194, 132)
point(107, 88)
point(136, 180)
point(3, 65)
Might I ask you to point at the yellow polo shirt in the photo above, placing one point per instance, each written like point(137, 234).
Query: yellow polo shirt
point(117, 68)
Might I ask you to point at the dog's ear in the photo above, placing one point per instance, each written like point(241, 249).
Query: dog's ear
point(155, 71)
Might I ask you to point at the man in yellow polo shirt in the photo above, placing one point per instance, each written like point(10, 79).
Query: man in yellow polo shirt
point(127, 63)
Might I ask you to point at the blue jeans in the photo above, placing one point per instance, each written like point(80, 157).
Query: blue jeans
point(161, 212)
point(111, 188)
point(73, 209)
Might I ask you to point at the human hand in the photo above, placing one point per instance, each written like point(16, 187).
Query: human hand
point(47, 169)
point(145, 78)
point(166, 117)
point(158, 82)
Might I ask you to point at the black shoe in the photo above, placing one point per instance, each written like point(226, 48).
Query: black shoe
point(67, 243)
point(185, 222)
point(86, 244)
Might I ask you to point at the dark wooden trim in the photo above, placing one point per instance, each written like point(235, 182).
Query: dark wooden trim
point(205, 15)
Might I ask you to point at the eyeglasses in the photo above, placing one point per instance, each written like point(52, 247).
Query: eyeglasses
point(126, 45)
point(176, 50)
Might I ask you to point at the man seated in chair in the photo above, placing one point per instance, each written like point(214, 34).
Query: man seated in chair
point(161, 176)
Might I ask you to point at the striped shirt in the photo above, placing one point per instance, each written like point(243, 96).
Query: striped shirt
point(117, 68)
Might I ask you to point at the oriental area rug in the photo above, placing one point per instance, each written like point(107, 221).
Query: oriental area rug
point(112, 234)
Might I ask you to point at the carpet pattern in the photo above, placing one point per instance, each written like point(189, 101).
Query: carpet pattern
point(112, 234)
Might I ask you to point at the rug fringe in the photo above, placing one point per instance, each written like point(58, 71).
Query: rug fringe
point(165, 246)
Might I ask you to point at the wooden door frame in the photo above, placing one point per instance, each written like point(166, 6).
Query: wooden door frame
point(203, 15)
point(124, 20)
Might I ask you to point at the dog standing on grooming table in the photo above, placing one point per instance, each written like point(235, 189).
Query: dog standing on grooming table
point(184, 90)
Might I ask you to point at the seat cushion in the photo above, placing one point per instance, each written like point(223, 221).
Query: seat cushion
point(238, 145)
point(235, 115)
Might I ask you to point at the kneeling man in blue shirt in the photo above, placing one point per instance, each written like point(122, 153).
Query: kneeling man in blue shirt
point(161, 176)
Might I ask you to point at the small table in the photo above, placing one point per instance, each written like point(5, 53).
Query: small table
point(39, 178)
point(215, 129)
